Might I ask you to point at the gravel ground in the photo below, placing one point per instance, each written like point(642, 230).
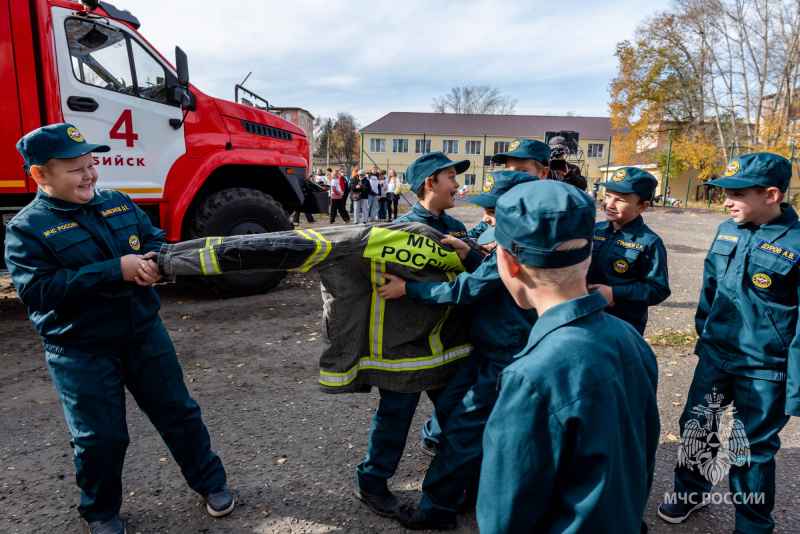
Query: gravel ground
point(290, 451)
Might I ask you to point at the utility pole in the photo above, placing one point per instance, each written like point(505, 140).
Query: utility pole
point(328, 152)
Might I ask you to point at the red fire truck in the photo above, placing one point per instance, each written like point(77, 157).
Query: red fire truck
point(197, 165)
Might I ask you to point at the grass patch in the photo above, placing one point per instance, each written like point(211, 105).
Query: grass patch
point(672, 339)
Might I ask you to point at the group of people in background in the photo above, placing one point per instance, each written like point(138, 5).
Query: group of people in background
point(373, 195)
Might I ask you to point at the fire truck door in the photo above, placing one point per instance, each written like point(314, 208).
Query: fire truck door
point(114, 90)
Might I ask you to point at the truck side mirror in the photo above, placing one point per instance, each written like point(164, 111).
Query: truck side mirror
point(182, 64)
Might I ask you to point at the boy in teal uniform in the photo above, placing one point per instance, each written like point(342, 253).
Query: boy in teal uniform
point(78, 258)
point(524, 155)
point(748, 350)
point(570, 445)
point(465, 405)
point(433, 177)
point(629, 261)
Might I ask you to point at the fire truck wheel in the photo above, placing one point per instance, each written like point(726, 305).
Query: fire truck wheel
point(240, 211)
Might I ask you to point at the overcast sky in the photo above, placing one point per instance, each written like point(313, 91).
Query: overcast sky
point(370, 58)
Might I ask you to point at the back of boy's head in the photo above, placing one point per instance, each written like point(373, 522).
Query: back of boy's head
point(56, 141)
point(429, 165)
point(756, 169)
point(633, 180)
point(525, 149)
point(546, 225)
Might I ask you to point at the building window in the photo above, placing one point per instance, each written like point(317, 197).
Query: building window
point(422, 146)
point(595, 150)
point(450, 146)
point(472, 147)
point(400, 146)
point(377, 145)
point(469, 179)
point(287, 116)
point(500, 147)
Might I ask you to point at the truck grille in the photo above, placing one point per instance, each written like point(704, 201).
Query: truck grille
point(266, 131)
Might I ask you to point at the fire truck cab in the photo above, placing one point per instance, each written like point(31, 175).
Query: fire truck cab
point(197, 165)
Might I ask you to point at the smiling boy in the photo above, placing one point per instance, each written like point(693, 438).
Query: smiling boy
point(748, 347)
point(629, 261)
point(434, 178)
point(78, 257)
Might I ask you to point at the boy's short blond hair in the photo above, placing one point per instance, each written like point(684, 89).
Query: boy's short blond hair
point(562, 277)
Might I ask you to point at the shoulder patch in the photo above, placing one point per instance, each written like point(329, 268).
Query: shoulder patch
point(116, 210)
point(728, 237)
point(601, 238)
point(782, 252)
point(60, 228)
point(628, 244)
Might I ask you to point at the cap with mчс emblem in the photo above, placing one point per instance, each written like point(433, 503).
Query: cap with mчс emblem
point(62, 141)
point(632, 180)
point(525, 149)
point(498, 183)
point(533, 218)
point(427, 165)
point(759, 168)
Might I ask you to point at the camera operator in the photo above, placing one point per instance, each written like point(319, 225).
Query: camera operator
point(560, 169)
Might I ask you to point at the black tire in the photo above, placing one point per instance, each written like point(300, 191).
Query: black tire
point(240, 211)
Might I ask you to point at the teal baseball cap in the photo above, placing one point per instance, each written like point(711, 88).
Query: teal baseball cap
point(526, 149)
point(759, 168)
point(62, 141)
point(497, 183)
point(632, 180)
point(533, 218)
point(428, 164)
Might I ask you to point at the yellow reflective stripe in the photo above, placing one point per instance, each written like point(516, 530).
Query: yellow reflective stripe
point(216, 265)
point(203, 262)
point(376, 310)
point(209, 250)
point(435, 339)
point(306, 265)
point(326, 248)
point(409, 364)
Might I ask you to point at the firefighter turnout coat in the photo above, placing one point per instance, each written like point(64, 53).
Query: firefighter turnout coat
point(367, 341)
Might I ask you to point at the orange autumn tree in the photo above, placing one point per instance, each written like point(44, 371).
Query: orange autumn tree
point(706, 75)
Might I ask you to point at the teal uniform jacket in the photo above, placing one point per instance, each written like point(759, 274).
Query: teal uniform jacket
point(64, 259)
point(444, 224)
point(499, 328)
point(747, 315)
point(634, 261)
point(570, 445)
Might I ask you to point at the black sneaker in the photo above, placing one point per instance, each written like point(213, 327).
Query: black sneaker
point(382, 503)
point(412, 519)
point(220, 502)
point(679, 512)
point(109, 526)
point(428, 447)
